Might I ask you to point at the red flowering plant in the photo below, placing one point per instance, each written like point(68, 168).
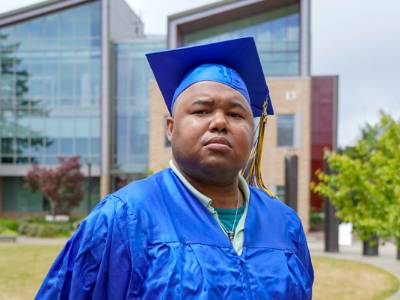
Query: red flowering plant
point(62, 186)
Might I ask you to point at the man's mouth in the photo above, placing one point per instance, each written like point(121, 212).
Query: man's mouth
point(218, 142)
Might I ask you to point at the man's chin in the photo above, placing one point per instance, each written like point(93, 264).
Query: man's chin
point(210, 168)
point(219, 167)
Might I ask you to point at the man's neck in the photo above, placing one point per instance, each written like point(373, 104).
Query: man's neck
point(227, 195)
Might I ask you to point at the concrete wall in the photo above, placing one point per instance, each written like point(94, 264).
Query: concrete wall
point(289, 96)
point(159, 155)
point(124, 23)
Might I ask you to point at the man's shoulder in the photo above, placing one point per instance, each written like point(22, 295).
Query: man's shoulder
point(273, 213)
point(127, 200)
point(145, 188)
point(270, 201)
point(272, 204)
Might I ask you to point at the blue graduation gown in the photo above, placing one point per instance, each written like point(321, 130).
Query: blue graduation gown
point(153, 240)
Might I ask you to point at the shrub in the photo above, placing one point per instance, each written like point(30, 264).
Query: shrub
point(9, 224)
point(6, 231)
point(316, 220)
point(39, 227)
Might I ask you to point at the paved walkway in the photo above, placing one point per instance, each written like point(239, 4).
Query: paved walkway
point(41, 241)
point(386, 259)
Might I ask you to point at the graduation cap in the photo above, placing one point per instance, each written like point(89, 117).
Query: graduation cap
point(233, 62)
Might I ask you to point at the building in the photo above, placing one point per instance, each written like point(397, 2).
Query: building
point(305, 106)
point(73, 81)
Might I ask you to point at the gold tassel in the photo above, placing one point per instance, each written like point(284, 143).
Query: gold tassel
point(252, 170)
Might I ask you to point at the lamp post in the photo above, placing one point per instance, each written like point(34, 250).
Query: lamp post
point(331, 222)
point(291, 177)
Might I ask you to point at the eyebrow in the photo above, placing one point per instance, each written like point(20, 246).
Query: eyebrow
point(210, 101)
point(238, 104)
point(203, 102)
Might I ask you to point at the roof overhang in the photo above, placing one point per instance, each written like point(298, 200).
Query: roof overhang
point(215, 14)
point(36, 10)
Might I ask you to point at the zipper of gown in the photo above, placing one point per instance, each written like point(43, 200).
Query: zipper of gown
point(246, 285)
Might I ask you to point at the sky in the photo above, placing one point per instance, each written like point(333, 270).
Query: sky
point(359, 40)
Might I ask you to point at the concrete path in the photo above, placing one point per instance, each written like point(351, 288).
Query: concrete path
point(41, 241)
point(386, 259)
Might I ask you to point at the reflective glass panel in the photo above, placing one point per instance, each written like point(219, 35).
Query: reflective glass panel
point(276, 33)
point(131, 109)
point(49, 83)
point(285, 130)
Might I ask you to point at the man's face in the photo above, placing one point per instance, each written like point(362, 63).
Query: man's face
point(211, 130)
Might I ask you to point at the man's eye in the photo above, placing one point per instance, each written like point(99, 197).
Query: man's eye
point(200, 112)
point(235, 115)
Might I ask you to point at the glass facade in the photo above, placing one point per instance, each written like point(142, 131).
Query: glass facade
point(16, 197)
point(277, 35)
point(50, 87)
point(133, 77)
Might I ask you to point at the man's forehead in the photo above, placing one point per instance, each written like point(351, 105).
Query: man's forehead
point(210, 92)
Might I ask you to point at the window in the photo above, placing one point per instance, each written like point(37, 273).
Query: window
point(66, 146)
point(276, 32)
point(133, 76)
point(82, 146)
point(47, 62)
point(285, 131)
point(7, 146)
point(95, 146)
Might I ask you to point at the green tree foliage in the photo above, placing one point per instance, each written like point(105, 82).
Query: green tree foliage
point(364, 182)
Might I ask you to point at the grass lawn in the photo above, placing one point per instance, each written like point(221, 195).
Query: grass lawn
point(342, 279)
point(23, 267)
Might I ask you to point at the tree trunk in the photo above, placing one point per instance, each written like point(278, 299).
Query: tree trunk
point(52, 208)
point(398, 249)
point(57, 209)
point(371, 246)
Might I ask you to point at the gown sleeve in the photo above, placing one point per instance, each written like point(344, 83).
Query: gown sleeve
point(95, 262)
point(304, 255)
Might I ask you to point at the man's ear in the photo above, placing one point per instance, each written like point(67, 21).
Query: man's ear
point(170, 127)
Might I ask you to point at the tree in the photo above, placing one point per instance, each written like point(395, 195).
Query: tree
point(387, 159)
point(62, 186)
point(365, 183)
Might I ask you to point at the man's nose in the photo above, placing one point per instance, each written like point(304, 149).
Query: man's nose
point(218, 122)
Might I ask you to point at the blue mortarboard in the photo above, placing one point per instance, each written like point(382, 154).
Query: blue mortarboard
point(234, 62)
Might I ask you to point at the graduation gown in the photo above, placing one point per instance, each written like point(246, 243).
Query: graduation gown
point(154, 240)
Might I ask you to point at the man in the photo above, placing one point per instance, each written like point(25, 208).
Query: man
point(196, 230)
